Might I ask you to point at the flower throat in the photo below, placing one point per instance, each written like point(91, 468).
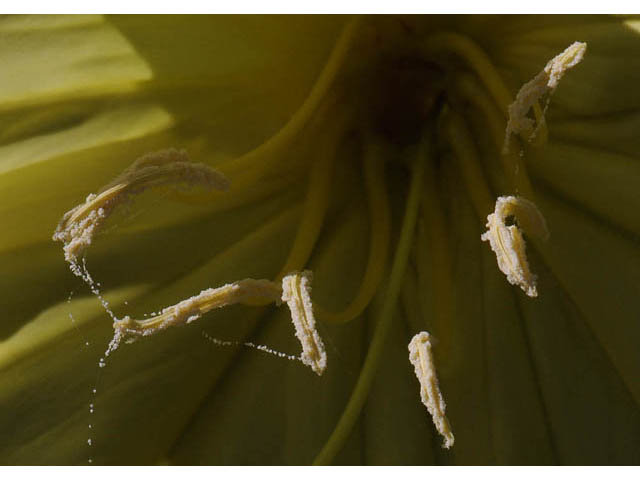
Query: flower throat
point(412, 112)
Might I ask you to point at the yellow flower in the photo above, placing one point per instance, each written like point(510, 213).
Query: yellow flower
point(370, 151)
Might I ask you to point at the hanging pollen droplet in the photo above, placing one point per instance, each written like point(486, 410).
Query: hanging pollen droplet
point(507, 241)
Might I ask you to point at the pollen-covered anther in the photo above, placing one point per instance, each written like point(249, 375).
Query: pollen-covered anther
point(421, 358)
point(542, 84)
point(247, 292)
point(296, 293)
point(507, 241)
point(171, 167)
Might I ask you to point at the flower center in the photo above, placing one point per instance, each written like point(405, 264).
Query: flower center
point(405, 96)
point(411, 102)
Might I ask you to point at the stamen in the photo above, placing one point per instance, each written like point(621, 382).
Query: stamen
point(315, 206)
point(172, 168)
point(513, 164)
point(481, 64)
point(247, 169)
point(568, 59)
point(247, 292)
point(479, 61)
point(380, 215)
point(542, 84)
point(436, 262)
point(469, 165)
point(270, 150)
point(296, 293)
point(164, 168)
point(507, 241)
point(374, 355)
point(421, 358)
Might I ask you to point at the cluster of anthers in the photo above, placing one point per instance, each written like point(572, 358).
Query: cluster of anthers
point(507, 241)
point(172, 169)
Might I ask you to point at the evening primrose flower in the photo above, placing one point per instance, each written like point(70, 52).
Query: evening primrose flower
point(368, 151)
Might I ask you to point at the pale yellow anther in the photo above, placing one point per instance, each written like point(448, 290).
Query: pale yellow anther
point(568, 59)
point(247, 292)
point(421, 357)
point(542, 84)
point(296, 293)
point(171, 167)
point(507, 241)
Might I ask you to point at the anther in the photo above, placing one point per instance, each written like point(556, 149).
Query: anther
point(507, 241)
point(171, 167)
point(542, 84)
point(296, 293)
point(421, 358)
point(247, 292)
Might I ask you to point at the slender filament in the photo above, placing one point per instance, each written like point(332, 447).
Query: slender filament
point(315, 208)
point(434, 234)
point(376, 348)
point(248, 168)
point(380, 215)
point(481, 63)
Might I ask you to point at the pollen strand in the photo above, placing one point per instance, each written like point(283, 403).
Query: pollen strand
point(171, 167)
point(421, 357)
point(508, 243)
point(270, 150)
point(543, 84)
point(296, 293)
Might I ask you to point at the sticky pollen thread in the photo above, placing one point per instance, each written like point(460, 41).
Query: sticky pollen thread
point(542, 84)
point(263, 348)
point(421, 357)
point(507, 241)
point(296, 293)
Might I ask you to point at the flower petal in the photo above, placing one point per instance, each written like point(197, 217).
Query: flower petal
point(164, 373)
point(281, 413)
